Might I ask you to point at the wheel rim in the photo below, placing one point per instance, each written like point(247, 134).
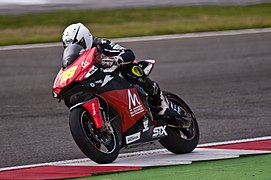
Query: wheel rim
point(185, 133)
point(104, 141)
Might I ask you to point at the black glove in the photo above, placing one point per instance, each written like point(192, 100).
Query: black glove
point(108, 62)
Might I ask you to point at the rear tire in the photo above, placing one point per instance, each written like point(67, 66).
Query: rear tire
point(87, 137)
point(179, 140)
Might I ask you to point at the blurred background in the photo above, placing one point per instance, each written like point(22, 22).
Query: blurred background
point(23, 6)
point(37, 21)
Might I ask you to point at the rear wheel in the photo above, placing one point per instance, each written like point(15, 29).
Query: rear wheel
point(100, 145)
point(181, 140)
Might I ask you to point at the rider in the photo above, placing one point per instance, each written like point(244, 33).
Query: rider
point(79, 34)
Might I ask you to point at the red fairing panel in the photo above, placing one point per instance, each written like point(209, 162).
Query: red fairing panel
point(75, 72)
point(93, 107)
point(128, 105)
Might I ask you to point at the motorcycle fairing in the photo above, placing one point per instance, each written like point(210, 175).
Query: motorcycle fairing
point(110, 82)
point(144, 130)
point(74, 72)
point(147, 66)
point(128, 104)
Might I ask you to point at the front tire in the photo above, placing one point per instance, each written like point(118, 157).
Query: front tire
point(100, 146)
point(180, 140)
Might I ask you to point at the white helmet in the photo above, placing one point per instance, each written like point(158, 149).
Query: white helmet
point(77, 34)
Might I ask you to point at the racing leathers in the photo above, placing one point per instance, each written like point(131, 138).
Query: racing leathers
point(125, 58)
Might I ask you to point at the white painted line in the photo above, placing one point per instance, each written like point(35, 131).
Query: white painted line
point(29, 46)
point(235, 141)
point(165, 156)
point(151, 38)
point(168, 158)
point(195, 35)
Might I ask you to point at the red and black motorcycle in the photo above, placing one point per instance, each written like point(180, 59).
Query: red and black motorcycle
point(107, 113)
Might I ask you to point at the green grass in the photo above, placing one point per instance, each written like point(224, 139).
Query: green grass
point(245, 168)
point(112, 23)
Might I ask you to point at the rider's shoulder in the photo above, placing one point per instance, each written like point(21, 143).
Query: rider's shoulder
point(99, 41)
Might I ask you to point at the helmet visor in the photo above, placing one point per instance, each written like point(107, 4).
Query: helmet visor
point(69, 41)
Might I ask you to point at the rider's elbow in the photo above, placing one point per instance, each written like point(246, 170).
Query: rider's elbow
point(128, 55)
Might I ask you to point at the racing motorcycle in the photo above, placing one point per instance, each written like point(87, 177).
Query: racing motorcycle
point(107, 113)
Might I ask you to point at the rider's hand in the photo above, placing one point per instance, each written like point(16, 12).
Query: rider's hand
point(108, 62)
point(118, 60)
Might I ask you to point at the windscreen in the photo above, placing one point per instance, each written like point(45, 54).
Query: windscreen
point(71, 53)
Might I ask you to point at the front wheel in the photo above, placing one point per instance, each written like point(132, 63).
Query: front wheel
point(101, 146)
point(180, 140)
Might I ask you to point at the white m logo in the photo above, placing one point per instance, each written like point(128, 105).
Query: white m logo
point(132, 99)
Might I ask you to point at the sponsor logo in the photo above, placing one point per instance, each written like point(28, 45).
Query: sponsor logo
point(137, 71)
point(85, 64)
point(159, 131)
point(135, 107)
point(91, 71)
point(99, 82)
point(93, 109)
point(145, 125)
point(68, 74)
point(92, 84)
point(106, 80)
point(132, 138)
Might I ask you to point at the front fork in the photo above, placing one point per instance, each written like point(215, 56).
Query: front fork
point(94, 109)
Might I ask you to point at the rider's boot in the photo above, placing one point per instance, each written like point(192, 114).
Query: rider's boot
point(159, 100)
point(182, 119)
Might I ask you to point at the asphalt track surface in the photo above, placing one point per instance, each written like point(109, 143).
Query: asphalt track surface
point(225, 79)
